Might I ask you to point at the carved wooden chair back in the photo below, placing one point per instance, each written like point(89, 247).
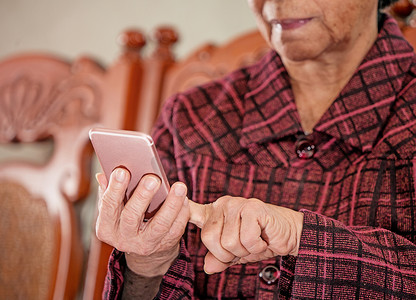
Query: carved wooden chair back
point(44, 98)
point(211, 62)
point(404, 11)
point(123, 87)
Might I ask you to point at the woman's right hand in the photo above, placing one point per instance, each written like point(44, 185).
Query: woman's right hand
point(152, 246)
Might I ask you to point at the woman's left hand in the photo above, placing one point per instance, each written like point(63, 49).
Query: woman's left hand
point(238, 230)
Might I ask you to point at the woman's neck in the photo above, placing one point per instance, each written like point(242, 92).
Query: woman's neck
point(317, 83)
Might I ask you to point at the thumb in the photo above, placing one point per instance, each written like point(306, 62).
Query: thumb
point(198, 213)
point(102, 185)
point(213, 265)
point(102, 180)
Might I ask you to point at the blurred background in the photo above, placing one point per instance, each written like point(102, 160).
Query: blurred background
point(70, 29)
point(77, 27)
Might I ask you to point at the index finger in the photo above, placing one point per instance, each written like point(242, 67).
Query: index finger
point(168, 212)
point(198, 213)
point(135, 208)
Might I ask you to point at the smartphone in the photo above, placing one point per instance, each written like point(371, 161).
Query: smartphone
point(134, 151)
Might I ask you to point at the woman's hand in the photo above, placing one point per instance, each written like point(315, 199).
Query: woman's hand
point(238, 230)
point(150, 247)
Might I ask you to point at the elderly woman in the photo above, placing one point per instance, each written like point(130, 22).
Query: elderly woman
point(315, 148)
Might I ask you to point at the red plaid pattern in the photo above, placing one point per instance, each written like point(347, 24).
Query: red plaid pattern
point(238, 135)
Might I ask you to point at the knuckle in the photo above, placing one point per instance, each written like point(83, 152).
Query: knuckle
point(110, 200)
point(129, 220)
point(123, 246)
point(252, 245)
point(102, 235)
point(229, 205)
point(141, 193)
point(116, 187)
point(161, 226)
point(132, 211)
point(229, 244)
point(208, 238)
point(99, 233)
point(251, 207)
point(248, 242)
point(173, 206)
point(177, 229)
point(254, 202)
point(108, 210)
point(176, 232)
point(223, 199)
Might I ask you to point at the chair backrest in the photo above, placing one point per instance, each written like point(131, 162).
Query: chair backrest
point(45, 98)
point(210, 62)
point(404, 11)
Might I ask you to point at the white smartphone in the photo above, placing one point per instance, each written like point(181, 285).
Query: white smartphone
point(135, 152)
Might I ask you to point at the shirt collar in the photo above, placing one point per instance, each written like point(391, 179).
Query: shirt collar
point(358, 114)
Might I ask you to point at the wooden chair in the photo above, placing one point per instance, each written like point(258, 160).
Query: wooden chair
point(45, 98)
point(211, 61)
point(139, 77)
point(404, 11)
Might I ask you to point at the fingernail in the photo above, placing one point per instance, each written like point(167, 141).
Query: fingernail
point(206, 272)
point(150, 183)
point(120, 175)
point(98, 177)
point(180, 190)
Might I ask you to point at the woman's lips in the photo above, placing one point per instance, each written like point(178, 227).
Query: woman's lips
point(287, 24)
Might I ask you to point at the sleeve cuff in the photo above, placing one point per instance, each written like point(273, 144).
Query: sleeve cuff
point(177, 281)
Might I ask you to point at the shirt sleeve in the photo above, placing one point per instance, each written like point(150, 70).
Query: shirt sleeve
point(338, 262)
point(177, 283)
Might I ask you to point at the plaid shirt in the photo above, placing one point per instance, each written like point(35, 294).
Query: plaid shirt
point(237, 136)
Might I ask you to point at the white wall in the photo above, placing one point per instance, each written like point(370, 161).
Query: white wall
point(75, 27)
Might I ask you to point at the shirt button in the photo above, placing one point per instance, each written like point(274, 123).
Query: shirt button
point(270, 274)
point(305, 147)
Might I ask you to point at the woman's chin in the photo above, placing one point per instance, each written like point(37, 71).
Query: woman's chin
point(296, 50)
point(297, 55)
